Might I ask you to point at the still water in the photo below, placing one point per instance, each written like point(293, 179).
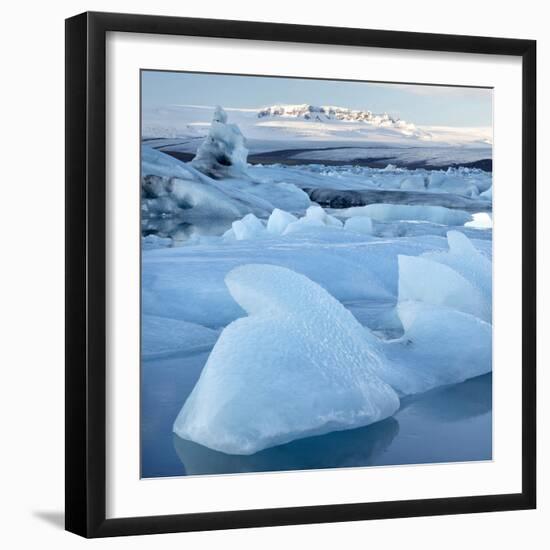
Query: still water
point(448, 424)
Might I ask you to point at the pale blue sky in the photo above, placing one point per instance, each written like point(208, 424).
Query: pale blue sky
point(424, 105)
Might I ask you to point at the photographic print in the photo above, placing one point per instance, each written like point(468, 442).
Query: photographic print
point(316, 274)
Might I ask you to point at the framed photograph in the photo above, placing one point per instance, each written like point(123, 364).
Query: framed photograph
point(300, 274)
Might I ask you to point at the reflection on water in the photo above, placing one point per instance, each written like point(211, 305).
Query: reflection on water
point(448, 424)
point(334, 450)
point(454, 403)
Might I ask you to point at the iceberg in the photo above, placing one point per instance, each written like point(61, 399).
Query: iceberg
point(487, 194)
point(436, 178)
point(315, 217)
point(482, 220)
point(399, 212)
point(223, 153)
point(173, 189)
point(298, 365)
point(303, 224)
point(444, 305)
point(440, 346)
point(318, 213)
point(279, 220)
point(413, 183)
point(464, 258)
point(455, 184)
point(250, 227)
point(359, 224)
point(431, 282)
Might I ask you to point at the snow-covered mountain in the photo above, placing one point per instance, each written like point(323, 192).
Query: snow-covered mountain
point(324, 113)
point(325, 131)
point(328, 113)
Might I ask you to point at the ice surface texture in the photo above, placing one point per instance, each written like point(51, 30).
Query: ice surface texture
point(298, 365)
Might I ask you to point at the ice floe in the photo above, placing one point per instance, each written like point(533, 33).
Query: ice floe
point(359, 224)
point(298, 365)
point(400, 212)
point(303, 363)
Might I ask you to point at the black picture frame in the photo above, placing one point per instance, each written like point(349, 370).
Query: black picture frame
point(86, 274)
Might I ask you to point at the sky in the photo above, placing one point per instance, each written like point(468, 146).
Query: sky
point(422, 105)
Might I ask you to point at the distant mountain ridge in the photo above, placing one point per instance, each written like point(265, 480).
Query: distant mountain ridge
point(304, 127)
point(328, 113)
point(324, 113)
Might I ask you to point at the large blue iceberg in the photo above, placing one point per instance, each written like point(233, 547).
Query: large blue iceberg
point(300, 364)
